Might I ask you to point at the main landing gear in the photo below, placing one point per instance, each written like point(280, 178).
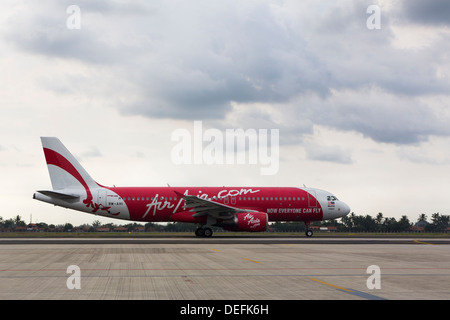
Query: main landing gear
point(308, 232)
point(204, 232)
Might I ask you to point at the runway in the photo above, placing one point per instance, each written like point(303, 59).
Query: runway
point(225, 268)
point(174, 239)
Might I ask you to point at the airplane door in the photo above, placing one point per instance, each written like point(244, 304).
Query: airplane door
point(102, 197)
point(312, 201)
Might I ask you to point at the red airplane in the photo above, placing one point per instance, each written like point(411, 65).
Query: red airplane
point(232, 208)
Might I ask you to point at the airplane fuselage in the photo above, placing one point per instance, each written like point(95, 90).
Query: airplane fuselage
point(232, 208)
point(161, 204)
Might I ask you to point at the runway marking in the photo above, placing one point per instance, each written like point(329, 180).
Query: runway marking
point(251, 260)
point(351, 291)
point(244, 269)
point(366, 295)
point(331, 285)
point(236, 275)
point(216, 250)
point(421, 242)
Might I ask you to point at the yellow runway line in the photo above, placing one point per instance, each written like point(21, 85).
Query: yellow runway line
point(421, 242)
point(331, 285)
point(251, 260)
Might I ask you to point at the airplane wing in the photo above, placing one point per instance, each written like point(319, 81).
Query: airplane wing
point(201, 207)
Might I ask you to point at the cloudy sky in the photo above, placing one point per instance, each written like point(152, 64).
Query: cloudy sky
point(361, 112)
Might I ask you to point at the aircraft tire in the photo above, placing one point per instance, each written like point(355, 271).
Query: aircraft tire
point(200, 232)
point(309, 233)
point(207, 232)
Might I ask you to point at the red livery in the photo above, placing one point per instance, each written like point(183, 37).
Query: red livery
point(232, 208)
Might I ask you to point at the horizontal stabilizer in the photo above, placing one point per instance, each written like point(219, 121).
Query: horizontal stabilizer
point(59, 195)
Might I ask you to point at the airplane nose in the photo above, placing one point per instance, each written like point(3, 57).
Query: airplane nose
point(345, 209)
point(341, 210)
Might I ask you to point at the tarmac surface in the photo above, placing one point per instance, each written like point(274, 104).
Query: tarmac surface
point(225, 268)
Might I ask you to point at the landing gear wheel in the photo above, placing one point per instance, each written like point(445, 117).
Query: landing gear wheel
point(204, 232)
point(207, 232)
point(200, 232)
point(309, 233)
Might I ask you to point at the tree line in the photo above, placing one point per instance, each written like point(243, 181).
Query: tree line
point(367, 223)
point(349, 223)
point(438, 223)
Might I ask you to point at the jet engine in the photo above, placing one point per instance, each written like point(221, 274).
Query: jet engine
point(247, 221)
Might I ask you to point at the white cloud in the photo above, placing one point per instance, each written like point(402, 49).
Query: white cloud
point(327, 153)
point(137, 70)
point(190, 62)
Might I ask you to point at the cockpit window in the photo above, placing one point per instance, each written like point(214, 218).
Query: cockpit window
point(332, 198)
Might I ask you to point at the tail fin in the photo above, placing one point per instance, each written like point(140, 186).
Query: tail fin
point(65, 171)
